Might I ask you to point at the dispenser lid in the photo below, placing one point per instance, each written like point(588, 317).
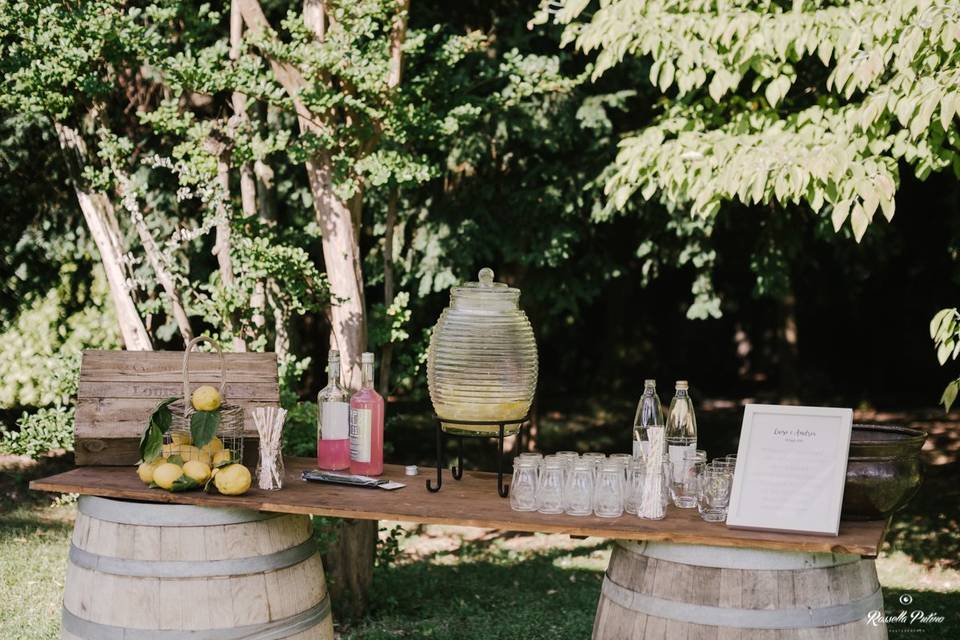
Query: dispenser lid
point(485, 283)
point(485, 293)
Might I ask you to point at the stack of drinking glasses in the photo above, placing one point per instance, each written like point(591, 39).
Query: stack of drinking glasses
point(693, 482)
point(579, 485)
point(592, 483)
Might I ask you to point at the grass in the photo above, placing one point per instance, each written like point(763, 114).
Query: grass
point(33, 551)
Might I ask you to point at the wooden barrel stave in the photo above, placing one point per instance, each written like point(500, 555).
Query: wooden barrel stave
point(808, 596)
point(219, 572)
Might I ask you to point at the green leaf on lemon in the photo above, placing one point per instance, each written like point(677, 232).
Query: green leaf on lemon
point(151, 442)
point(203, 426)
point(184, 483)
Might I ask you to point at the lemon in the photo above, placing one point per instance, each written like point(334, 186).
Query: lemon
point(181, 438)
point(146, 469)
point(232, 480)
point(196, 471)
point(166, 474)
point(206, 398)
point(213, 446)
point(224, 455)
point(187, 452)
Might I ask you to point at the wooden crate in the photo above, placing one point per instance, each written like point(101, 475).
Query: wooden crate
point(119, 389)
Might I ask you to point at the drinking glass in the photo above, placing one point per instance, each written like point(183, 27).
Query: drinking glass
point(568, 457)
point(595, 458)
point(723, 464)
point(624, 459)
point(578, 490)
point(550, 486)
point(681, 474)
point(633, 490)
point(608, 494)
point(523, 489)
point(713, 494)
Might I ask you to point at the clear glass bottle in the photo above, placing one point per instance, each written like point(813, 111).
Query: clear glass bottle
point(681, 432)
point(333, 420)
point(366, 424)
point(649, 414)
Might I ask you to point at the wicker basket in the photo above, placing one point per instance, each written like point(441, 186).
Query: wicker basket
point(230, 429)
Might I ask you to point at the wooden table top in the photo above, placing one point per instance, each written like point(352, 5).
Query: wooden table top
point(472, 501)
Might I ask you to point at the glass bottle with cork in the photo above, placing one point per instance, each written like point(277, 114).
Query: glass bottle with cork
point(333, 420)
point(366, 424)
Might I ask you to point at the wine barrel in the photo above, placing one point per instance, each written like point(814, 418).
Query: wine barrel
point(663, 590)
point(140, 571)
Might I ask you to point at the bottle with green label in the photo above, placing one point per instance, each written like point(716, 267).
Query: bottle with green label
point(366, 424)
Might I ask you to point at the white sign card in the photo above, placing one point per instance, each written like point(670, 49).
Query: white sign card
point(791, 468)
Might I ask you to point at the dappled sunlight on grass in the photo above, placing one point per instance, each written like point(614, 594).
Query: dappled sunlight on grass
point(33, 557)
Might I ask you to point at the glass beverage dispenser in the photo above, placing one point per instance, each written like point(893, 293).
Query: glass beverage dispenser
point(482, 361)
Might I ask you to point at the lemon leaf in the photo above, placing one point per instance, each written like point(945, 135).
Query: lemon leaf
point(184, 483)
point(176, 459)
point(161, 415)
point(151, 443)
point(203, 426)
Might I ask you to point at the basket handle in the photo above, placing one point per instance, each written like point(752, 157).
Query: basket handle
point(186, 368)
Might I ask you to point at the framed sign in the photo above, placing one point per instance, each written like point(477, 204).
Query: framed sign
point(791, 467)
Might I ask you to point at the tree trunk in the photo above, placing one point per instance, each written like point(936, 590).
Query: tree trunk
point(155, 258)
point(398, 33)
point(348, 563)
point(341, 257)
point(386, 359)
point(98, 213)
point(222, 245)
point(349, 558)
point(281, 337)
point(787, 349)
point(248, 181)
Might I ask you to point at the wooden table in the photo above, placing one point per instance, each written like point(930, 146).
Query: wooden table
point(472, 501)
point(676, 577)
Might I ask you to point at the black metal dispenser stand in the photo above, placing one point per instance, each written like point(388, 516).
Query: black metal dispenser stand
point(457, 471)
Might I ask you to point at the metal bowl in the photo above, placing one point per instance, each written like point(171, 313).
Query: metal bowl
point(883, 472)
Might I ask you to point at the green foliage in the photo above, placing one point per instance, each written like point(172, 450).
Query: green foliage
point(814, 104)
point(46, 429)
point(40, 348)
point(388, 547)
point(945, 333)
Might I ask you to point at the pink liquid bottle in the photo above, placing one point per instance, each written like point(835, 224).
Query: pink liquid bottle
point(333, 420)
point(366, 424)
